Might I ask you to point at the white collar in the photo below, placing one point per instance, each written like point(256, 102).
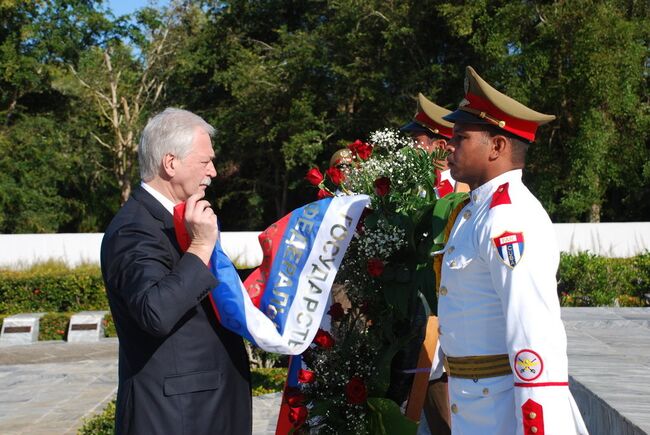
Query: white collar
point(166, 202)
point(486, 190)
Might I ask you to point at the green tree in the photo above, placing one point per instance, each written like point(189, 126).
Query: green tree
point(124, 87)
point(287, 83)
point(586, 62)
point(40, 152)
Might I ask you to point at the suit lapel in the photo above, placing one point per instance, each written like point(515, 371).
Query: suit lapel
point(159, 212)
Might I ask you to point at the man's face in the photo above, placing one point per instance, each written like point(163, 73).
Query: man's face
point(468, 154)
point(195, 171)
point(430, 144)
point(423, 141)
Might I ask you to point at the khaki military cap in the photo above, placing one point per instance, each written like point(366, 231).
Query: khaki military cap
point(485, 105)
point(429, 119)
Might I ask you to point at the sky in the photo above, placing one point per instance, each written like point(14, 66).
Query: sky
point(122, 7)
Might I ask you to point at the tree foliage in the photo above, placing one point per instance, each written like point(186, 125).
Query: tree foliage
point(286, 83)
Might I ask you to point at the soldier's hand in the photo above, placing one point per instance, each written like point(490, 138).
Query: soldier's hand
point(201, 224)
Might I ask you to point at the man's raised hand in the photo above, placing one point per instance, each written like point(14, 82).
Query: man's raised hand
point(201, 224)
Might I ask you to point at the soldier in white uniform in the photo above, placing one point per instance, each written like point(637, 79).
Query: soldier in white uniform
point(430, 132)
point(500, 325)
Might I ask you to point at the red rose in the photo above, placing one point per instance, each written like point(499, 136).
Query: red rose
point(306, 376)
point(314, 176)
point(336, 311)
point(37, 291)
point(294, 397)
point(366, 211)
point(355, 391)
point(297, 415)
point(361, 149)
point(375, 267)
point(324, 339)
point(382, 186)
point(336, 175)
point(324, 194)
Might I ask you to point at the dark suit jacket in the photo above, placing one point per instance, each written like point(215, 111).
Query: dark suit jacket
point(180, 371)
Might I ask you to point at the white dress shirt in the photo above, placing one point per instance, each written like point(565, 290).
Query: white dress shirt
point(166, 202)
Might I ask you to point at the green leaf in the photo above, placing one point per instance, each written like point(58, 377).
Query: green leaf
point(402, 274)
point(379, 384)
point(422, 218)
point(441, 211)
point(386, 418)
point(388, 275)
point(371, 220)
point(425, 279)
point(320, 407)
point(398, 295)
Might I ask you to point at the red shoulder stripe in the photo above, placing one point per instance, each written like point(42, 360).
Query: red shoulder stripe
point(501, 196)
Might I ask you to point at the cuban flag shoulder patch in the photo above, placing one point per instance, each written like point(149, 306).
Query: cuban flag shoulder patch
point(510, 247)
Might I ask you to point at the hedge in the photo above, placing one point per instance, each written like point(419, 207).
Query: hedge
point(589, 280)
point(52, 287)
point(583, 280)
point(54, 326)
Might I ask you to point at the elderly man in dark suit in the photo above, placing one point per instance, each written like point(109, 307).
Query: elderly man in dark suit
point(180, 371)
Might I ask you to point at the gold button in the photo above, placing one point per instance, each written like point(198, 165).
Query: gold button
point(467, 214)
point(452, 263)
point(443, 290)
point(450, 249)
point(532, 415)
point(454, 408)
point(486, 391)
point(533, 429)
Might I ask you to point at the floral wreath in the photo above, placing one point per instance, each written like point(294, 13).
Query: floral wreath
point(351, 380)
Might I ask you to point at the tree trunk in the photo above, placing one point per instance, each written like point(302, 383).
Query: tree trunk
point(594, 215)
point(125, 191)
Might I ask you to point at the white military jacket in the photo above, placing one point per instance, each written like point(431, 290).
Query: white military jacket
point(498, 295)
point(445, 184)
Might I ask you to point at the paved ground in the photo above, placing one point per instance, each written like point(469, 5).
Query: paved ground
point(48, 387)
point(609, 363)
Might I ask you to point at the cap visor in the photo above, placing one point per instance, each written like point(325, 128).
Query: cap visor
point(462, 116)
point(413, 127)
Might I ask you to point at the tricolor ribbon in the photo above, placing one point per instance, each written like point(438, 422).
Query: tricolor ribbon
point(280, 307)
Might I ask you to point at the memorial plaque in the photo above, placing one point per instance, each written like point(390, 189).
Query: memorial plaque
point(20, 329)
point(86, 326)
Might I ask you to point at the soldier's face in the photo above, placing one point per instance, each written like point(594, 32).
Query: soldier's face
point(468, 157)
point(429, 144)
point(422, 140)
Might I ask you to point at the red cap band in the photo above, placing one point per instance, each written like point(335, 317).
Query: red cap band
point(423, 119)
point(521, 128)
